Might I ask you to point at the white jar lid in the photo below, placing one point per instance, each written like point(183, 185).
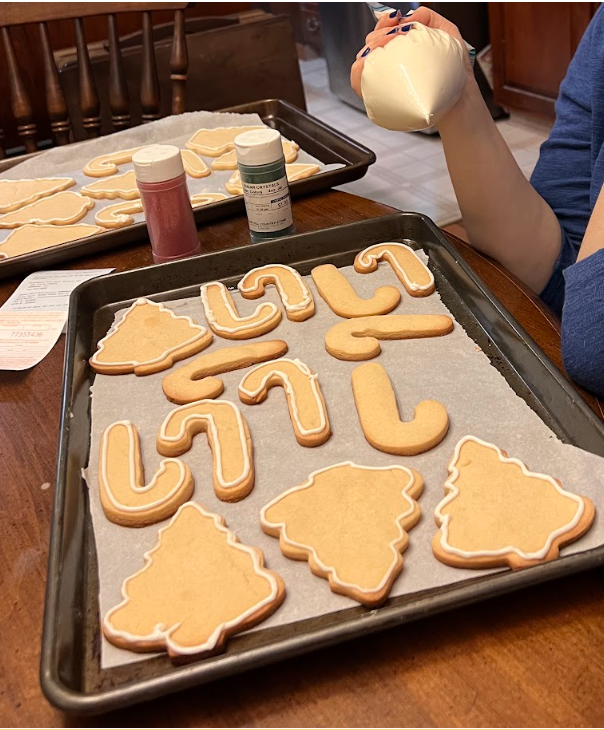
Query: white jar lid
point(157, 163)
point(258, 146)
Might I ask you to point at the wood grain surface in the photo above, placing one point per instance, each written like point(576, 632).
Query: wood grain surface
point(533, 658)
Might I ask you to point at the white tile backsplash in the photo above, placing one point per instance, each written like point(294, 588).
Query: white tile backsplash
point(410, 172)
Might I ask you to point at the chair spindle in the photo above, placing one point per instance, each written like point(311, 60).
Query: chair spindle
point(119, 99)
point(89, 97)
point(179, 63)
point(55, 98)
point(149, 80)
point(20, 103)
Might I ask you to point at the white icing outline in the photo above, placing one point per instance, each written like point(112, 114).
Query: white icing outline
point(105, 165)
point(136, 363)
point(38, 226)
point(289, 390)
point(265, 278)
point(132, 439)
point(39, 196)
point(164, 634)
point(208, 198)
point(213, 437)
point(229, 306)
point(365, 258)
point(119, 218)
point(190, 169)
point(111, 193)
point(74, 218)
point(452, 492)
point(332, 571)
point(230, 145)
point(300, 174)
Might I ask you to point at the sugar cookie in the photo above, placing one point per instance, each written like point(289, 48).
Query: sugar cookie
point(305, 401)
point(215, 142)
point(351, 524)
point(17, 193)
point(199, 199)
point(196, 381)
point(358, 339)
point(148, 338)
point(119, 186)
point(199, 585)
point(294, 292)
point(59, 209)
point(379, 415)
point(31, 237)
point(228, 437)
point(118, 215)
point(224, 320)
point(498, 513)
point(108, 164)
point(124, 497)
point(228, 161)
point(194, 165)
point(293, 172)
point(341, 298)
point(411, 271)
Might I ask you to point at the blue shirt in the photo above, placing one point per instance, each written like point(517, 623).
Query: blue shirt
point(569, 176)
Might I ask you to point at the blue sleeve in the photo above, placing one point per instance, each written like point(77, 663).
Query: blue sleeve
point(583, 323)
point(563, 173)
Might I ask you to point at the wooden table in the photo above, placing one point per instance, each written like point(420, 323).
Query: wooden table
point(534, 658)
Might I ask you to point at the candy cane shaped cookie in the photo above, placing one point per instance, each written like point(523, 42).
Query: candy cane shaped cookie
point(224, 319)
point(411, 271)
point(196, 381)
point(228, 437)
point(358, 339)
point(295, 294)
point(108, 164)
point(304, 397)
point(118, 215)
point(125, 498)
point(379, 416)
point(341, 298)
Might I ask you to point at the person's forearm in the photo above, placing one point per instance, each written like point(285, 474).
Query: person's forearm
point(503, 214)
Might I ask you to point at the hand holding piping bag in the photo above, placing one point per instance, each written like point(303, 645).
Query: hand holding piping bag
point(410, 86)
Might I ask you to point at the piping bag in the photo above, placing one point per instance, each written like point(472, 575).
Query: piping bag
point(411, 83)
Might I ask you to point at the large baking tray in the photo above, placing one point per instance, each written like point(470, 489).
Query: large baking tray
point(318, 139)
point(70, 671)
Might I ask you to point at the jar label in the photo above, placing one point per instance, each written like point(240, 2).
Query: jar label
point(268, 205)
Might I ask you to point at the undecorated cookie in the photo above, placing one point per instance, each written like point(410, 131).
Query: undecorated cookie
point(359, 339)
point(295, 294)
point(229, 439)
point(60, 209)
point(125, 498)
point(118, 215)
point(31, 237)
point(342, 299)
point(215, 142)
point(228, 161)
point(105, 165)
point(379, 415)
point(497, 513)
point(119, 186)
point(194, 165)
point(198, 199)
point(411, 271)
point(195, 380)
point(351, 524)
point(199, 585)
point(148, 338)
point(305, 400)
point(224, 320)
point(17, 193)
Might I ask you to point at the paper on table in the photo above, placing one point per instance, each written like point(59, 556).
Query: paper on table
point(69, 161)
point(451, 369)
point(27, 337)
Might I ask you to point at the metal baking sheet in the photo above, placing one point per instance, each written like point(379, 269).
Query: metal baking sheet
point(315, 138)
point(71, 673)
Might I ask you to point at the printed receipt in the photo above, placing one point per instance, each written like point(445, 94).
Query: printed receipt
point(32, 319)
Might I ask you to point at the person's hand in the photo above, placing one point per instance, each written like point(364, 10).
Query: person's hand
point(390, 27)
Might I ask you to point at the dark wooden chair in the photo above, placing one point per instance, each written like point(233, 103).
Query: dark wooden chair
point(13, 14)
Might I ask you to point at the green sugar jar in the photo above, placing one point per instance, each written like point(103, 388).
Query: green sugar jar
point(265, 189)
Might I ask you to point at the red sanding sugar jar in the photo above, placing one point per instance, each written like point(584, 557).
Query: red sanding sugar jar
point(162, 183)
